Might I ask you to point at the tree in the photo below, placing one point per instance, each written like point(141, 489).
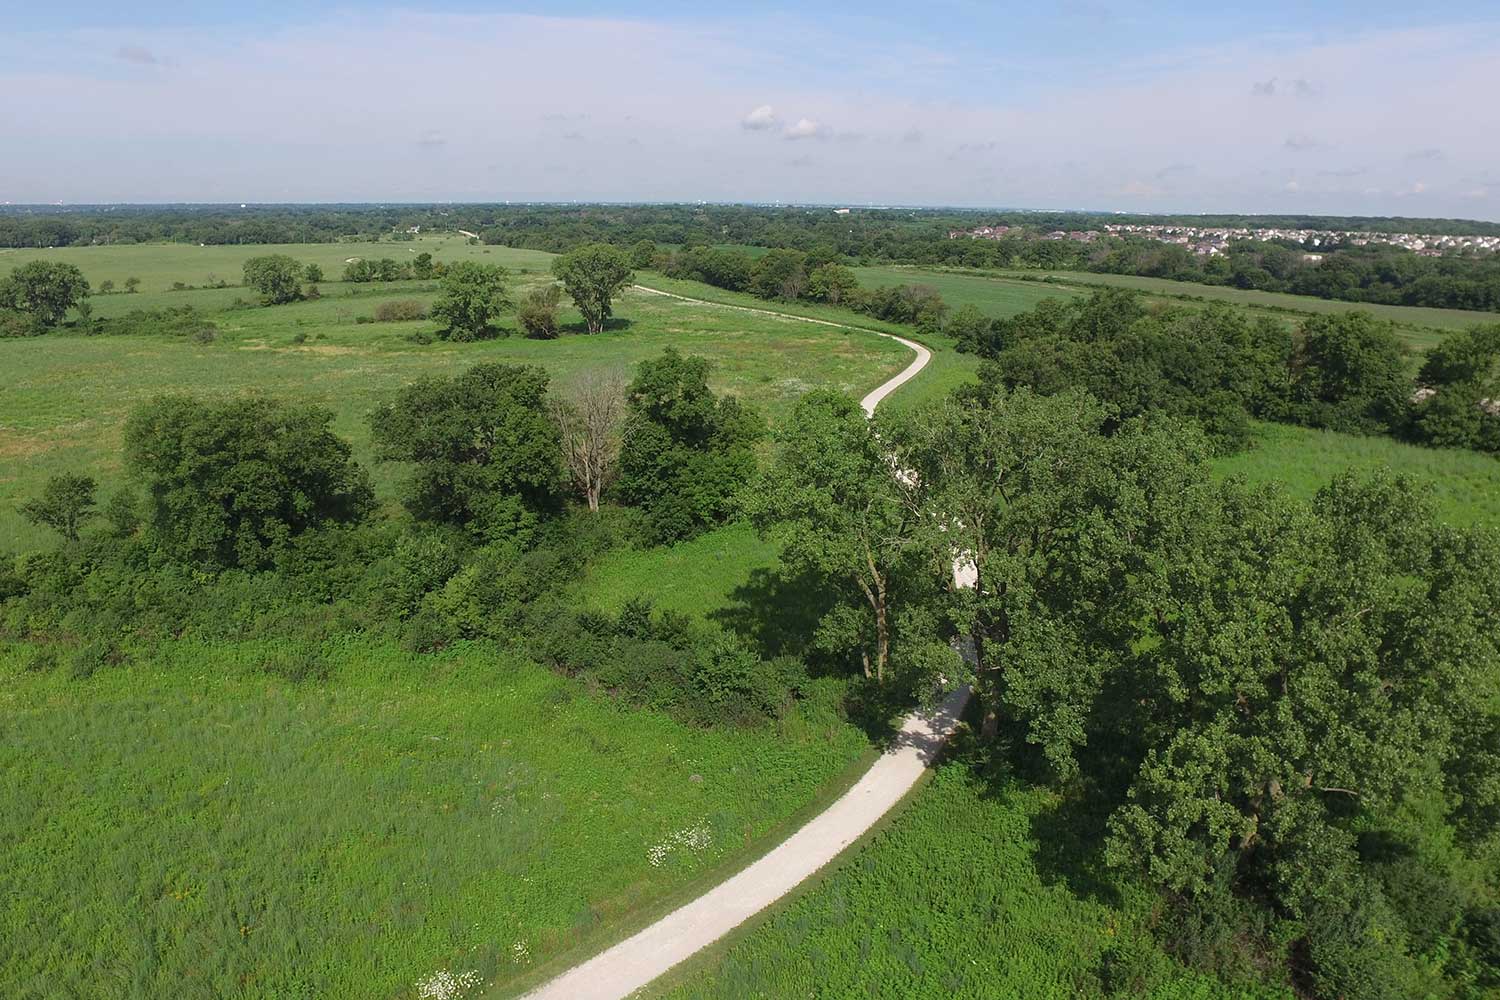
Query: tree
point(277, 277)
point(593, 275)
point(1349, 374)
point(838, 509)
point(485, 450)
point(106, 286)
point(687, 453)
point(969, 327)
point(421, 266)
point(831, 283)
point(643, 254)
point(232, 481)
point(132, 284)
point(472, 295)
point(780, 274)
point(590, 418)
point(1037, 497)
point(44, 291)
point(312, 273)
point(1296, 674)
point(538, 312)
point(67, 501)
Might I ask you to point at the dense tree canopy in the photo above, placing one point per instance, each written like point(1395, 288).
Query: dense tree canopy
point(843, 515)
point(686, 452)
point(230, 481)
point(486, 456)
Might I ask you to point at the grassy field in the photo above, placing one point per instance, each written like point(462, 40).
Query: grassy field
point(159, 265)
point(190, 827)
point(65, 396)
point(1465, 485)
point(981, 889)
point(1005, 293)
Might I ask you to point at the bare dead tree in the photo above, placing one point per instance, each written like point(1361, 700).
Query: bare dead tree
point(590, 413)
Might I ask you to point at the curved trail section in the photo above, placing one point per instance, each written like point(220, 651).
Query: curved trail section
point(871, 400)
point(633, 963)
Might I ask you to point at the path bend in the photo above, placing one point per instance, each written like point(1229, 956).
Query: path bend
point(633, 963)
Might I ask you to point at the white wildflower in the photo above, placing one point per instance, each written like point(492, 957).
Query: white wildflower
point(693, 838)
point(444, 985)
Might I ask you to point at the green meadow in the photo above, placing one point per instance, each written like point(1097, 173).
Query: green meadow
point(190, 826)
point(160, 265)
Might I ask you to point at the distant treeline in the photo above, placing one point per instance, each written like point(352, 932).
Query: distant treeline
point(1377, 274)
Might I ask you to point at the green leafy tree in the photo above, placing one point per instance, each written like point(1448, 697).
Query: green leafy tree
point(1457, 404)
point(686, 453)
point(486, 454)
point(277, 277)
point(67, 501)
point(44, 291)
point(840, 512)
point(643, 254)
point(1034, 496)
point(780, 274)
point(312, 273)
point(473, 296)
point(421, 266)
point(593, 275)
point(1349, 374)
point(132, 284)
point(106, 286)
point(832, 283)
point(231, 481)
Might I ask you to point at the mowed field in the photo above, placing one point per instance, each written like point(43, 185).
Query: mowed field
point(193, 827)
point(159, 265)
point(66, 396)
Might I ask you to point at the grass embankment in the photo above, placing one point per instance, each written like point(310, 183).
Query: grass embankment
point(175, 828)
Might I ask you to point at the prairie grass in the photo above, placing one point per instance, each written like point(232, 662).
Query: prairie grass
point(192, 827)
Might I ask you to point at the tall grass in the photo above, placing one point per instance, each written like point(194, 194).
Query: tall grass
point(194, 828)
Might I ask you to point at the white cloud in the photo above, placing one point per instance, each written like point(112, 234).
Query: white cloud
point(805, 128)
point(760, 119)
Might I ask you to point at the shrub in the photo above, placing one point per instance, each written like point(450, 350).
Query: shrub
point(538, 312)
point(400, 311)
point(173, 321)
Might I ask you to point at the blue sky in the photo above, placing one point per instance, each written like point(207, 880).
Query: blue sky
point(1369, 108)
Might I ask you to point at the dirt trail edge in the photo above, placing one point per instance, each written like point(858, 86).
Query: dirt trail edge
point(630, 965)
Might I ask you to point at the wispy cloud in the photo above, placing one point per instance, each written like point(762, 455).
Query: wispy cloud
point(137, 54)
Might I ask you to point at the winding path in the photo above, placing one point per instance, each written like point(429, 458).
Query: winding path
point(633, 963)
